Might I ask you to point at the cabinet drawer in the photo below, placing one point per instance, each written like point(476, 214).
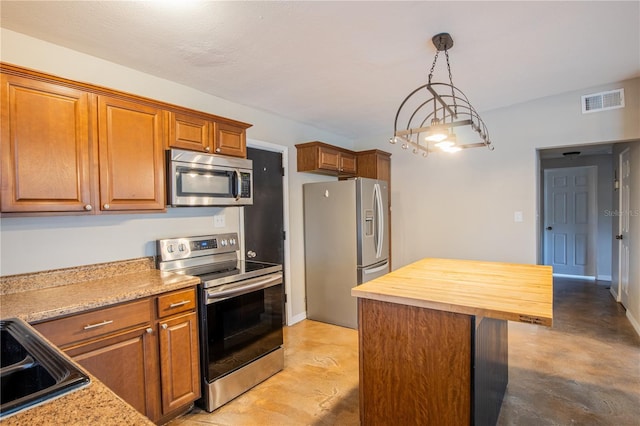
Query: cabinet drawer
point(65, 331)
point(176, 302)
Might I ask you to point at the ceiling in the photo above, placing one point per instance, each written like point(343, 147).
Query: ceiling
point(345, 66)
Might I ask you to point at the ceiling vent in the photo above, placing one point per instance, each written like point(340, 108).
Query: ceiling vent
point(603, 101)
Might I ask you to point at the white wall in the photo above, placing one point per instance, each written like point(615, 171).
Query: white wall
point(78, 241)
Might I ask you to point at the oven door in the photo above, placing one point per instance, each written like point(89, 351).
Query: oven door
point(194, 184)
point(240, 323)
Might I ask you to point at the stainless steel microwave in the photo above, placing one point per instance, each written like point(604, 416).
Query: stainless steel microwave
point(200, 179)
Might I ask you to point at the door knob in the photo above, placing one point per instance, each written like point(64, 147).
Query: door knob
point(619, 237)
point(549, 228)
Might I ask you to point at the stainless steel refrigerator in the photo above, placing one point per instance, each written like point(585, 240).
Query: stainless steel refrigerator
point(346, 242)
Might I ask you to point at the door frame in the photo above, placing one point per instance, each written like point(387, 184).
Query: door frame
point(284, 150)
point(616, 289)
point(593, 225)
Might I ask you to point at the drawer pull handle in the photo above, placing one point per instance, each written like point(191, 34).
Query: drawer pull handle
point(100, 324)
point(177, 304)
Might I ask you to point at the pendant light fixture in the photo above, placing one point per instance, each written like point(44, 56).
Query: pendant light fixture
point(427, 117)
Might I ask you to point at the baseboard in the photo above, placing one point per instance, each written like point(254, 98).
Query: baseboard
point(576, 277)
point(297, 318)
point(614, 292)
point(633, 322)
point(604, 278)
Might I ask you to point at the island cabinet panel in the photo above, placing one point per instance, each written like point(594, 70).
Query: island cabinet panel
point(131, 155)
point(45, 146)
point(491, 369)
point(415, 365)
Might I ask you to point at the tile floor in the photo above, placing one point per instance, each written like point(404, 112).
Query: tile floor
point(585, 370)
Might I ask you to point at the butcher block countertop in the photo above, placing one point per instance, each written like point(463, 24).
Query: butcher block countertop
point(507, 291)
point(45, 295)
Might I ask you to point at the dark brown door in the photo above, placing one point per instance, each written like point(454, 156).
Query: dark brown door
point(263, 221)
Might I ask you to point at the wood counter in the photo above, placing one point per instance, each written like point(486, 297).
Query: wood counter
point(433, 338)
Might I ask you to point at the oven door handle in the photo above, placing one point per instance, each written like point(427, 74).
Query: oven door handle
point(260, 283)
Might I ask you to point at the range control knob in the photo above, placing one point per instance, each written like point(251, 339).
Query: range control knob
point(181, 247)
point(232, 241)
point(223, 243)
point(170, 248)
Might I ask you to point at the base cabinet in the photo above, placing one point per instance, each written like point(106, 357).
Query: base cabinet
point(129, 380)
point(145, 351)
point(179, 366)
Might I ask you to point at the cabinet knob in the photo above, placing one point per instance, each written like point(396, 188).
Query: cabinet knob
point(88, 207)
point(217, 149)
point(164, 326)
point(207, 149)
point(149, 330)
point(106, 206)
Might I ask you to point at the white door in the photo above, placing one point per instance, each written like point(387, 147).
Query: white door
point(623, 236)
point(570, 220)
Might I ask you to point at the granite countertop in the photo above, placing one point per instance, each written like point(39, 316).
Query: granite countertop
point(50, 294)
point(499, 290)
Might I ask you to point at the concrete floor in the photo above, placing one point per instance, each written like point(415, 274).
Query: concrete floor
point(585, 370)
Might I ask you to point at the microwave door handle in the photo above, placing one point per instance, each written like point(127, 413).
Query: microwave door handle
point(238, 185)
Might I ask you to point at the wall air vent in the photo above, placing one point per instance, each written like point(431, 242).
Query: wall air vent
point(603, 101)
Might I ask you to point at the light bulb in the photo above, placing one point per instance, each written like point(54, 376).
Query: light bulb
point(452, 149)
point(445, 144)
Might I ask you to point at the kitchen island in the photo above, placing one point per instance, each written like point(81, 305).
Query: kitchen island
point(433, 338)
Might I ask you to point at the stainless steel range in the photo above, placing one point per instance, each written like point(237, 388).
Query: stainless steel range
point(241, 305)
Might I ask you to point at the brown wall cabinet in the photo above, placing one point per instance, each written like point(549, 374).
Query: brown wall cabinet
point(374, 164)
point(319, 157)
point(149, 358)
point(131, 155)
point(71, 147)
point(197, 133)
point(45, 147)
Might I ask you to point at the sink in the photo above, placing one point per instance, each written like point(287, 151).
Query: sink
point(31, 370)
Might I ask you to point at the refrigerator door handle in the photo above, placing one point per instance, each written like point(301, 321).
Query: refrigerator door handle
point(379, 220)
point(382, 267)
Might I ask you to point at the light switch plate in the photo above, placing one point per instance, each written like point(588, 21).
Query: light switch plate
point(219, 221)
point(517, 217)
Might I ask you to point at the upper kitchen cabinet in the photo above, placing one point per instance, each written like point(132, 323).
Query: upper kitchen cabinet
point(230, 140)
point(131, 155)
point(189, 132)
point(45, 146)
point(374, 164)
point(319, 157)
point(207, 133)
point(72, 147)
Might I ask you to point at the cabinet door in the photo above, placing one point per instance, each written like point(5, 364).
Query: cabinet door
point(179, 361)
point(230, 140)
point(126, 364)
point(328, 159)
point(189, 132)
point(131, 155)
point(45, 147)
point(347, 163)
